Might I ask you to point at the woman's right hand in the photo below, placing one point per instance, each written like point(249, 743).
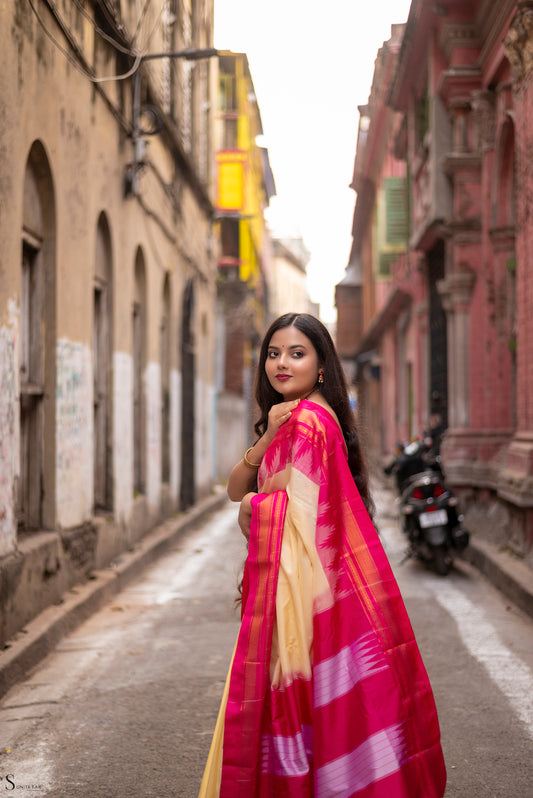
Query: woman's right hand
point(277, 415)
point(243, 478)
point(245, 514)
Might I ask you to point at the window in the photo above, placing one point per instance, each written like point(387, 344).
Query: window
point(231, 140)
point(165, 383)
point(421, 117)
point(102, 353)
point(31, 387)
point(139, 358)
point(228, 93)
point(229, 234)
point(386, 259)
point(397, 210)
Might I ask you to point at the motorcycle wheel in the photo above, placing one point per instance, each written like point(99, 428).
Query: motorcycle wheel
point(442, 560)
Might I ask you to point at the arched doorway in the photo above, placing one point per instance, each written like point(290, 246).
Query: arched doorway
point(102, 368)
point(164, 359)
point(503, 235)
point(139, 365)
point(188, 380)
point(37, 361)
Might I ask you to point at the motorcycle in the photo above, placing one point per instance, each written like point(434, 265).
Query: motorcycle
point(428, 508)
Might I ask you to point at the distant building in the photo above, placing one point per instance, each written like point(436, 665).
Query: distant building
point(244, 186)
point(288, 290)
point(370, 305)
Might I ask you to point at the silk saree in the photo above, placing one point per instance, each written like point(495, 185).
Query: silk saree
point(327, 695)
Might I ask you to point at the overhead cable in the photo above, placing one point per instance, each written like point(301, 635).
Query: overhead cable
point(74, 62)
point(113, 42)
point(156, 23)
point(141, 19)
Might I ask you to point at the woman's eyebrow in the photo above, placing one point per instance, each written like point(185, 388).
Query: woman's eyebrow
point(294, 346)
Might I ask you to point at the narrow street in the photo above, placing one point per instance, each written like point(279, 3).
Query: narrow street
point(125, 706)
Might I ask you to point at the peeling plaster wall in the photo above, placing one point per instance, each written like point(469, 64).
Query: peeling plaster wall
point(232, 435)
point(152, 387)
point(9, 430)
point(65, 151)
point(74, 433)
point(123, 435)
point(204, 450)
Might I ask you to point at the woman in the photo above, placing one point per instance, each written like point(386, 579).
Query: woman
point(327, 695)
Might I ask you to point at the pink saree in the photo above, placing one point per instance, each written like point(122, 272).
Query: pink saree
point(327, 695)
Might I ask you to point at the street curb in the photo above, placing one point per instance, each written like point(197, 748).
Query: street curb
point(510, 575)
point(43, 633)
point(505, 571)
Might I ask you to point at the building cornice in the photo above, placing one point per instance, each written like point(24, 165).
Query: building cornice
point(398, 301)
point(519, 43)
point(458, 33)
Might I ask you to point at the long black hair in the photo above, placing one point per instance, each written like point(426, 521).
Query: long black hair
point(333, 389)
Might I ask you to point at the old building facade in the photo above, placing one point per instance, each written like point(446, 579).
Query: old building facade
point(107, 289)
point(287, 281)
point(456, 314)
point(244, 186)
point(368, 293)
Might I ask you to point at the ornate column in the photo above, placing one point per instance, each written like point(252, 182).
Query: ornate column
point(421, 317)
point(517, 483)
point(456, 292)
point(484, 112)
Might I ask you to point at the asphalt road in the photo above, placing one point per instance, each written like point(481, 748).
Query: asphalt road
point(125, 706)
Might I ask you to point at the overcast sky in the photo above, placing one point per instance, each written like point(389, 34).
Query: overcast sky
point(312, 65)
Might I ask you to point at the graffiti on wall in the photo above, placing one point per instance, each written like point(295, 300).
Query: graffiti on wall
point(152, 387)
point(74, 425)
point(123, 434)
point(9, 441)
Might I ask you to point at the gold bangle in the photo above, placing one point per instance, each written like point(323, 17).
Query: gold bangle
point(247, 462)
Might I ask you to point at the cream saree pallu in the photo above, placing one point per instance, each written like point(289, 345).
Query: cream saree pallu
point(327, 694)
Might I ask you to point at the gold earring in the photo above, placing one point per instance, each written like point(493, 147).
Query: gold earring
point(320, 376)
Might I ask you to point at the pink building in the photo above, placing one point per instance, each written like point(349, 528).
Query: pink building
point(447, 327)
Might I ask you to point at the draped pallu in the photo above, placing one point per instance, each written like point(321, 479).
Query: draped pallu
point(327, 694)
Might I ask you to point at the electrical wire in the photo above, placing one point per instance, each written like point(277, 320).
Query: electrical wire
point(102, 33)
point(74, 62)
point(156, 23)
point(125, 75)
point(141, 19)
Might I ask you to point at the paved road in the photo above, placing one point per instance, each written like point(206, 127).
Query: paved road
point(125, 706)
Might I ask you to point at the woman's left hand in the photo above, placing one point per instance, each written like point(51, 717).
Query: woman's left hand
point(245, 514)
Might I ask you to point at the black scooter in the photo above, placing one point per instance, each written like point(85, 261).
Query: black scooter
point(428, 508)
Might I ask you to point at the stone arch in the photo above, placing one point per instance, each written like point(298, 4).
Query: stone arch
point(165, 363)
point(504, 221)
point(188, 382)
point(37, 351)
point(103, 366)
point(139, 325)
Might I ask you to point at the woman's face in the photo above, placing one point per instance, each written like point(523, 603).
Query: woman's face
point(292, 363)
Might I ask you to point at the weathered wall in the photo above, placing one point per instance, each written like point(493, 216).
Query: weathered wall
point(9, 443)
point(232, 438)
point(74, 434)
point(78, 134)
point(122, 435)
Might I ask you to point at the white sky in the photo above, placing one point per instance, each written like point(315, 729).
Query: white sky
point(312, 65)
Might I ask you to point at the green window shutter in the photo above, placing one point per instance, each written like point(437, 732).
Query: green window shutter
point(386, 259)
point(397, 210)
